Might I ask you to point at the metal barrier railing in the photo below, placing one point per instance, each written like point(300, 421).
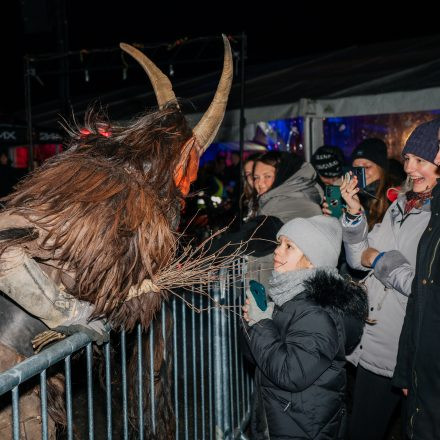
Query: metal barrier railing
point(211, 389)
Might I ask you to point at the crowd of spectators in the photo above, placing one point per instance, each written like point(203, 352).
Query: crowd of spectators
point(382, 248)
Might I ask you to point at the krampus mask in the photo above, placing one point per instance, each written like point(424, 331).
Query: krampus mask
point(88, 232)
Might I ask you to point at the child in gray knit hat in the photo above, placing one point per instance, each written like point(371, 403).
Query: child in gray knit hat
point(300, 341)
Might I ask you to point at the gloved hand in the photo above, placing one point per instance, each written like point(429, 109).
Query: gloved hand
point(97, 329)
point(22, 280)
point(254, 313)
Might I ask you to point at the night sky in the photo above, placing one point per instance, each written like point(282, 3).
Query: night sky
point(274, 31)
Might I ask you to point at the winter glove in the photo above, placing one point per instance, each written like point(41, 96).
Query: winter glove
point(255, 314)
point(23, 280)
point(96, 329)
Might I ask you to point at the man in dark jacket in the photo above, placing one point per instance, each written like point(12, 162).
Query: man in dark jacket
point(418, 362)
point(300, 340)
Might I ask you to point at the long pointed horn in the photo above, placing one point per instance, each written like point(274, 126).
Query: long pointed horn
point(208, 126)
point(161, 84)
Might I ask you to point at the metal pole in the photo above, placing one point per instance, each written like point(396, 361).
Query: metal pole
point(68, 375)
point(108, 390)
point(63, 47)
point(242, 117)
point(217, 366)
point(89, 359)
point(124, 385)
point(28, 107)
point(43, 401)
point(175, 366)
point(140, 383)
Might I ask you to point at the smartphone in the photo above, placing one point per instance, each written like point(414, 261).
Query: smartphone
point(259, 293)
point(359, 172)
point(334, 200)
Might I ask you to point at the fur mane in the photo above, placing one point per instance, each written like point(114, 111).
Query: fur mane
point(107, 207)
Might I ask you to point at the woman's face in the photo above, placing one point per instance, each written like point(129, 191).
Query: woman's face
point(372, 170)
point(264, 176)
point(422, 173)
point(247, 169)
point(288, 256)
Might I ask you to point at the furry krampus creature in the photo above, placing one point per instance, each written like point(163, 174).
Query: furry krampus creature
point(91, 234)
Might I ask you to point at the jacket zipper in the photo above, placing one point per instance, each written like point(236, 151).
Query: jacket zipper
point(411, 421)
point(433, 257)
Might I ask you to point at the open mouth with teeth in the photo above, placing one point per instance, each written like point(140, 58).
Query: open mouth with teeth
point(417, 179)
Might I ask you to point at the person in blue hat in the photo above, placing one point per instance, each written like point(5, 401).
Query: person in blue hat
point(418, 360)
point(389, 252)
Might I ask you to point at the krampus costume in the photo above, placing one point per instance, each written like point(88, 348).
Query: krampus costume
point(89, 235)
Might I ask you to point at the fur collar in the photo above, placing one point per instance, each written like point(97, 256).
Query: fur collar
point(338, 294)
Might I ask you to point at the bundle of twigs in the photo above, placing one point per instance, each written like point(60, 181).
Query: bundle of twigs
point(194, 269)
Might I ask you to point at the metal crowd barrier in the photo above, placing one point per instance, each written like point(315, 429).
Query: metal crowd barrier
point(211, 388)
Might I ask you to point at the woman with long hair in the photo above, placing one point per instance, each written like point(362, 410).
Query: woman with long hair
point(248, 200)
point(371, 154)
point(286, 186)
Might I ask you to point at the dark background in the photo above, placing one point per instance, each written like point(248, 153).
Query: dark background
point(275, 31)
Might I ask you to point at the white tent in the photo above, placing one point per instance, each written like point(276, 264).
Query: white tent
point(396, 77)
point(393, 77)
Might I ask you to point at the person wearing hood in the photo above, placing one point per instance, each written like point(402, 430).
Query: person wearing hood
point(299, 342)
point(286, 188)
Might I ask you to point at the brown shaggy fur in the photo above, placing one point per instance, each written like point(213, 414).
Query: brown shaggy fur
point(105, 210)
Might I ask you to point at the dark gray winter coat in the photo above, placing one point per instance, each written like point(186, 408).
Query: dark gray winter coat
point(300, 355)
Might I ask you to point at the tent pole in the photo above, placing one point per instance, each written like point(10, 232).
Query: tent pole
point(242, 120)
point(313, 135)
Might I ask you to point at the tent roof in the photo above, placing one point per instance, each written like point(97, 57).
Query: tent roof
point(388, 77)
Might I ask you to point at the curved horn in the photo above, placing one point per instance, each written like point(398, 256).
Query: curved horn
point(208, 126)
point(161, 84)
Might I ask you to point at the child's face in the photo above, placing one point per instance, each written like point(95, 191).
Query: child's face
point(288, 256)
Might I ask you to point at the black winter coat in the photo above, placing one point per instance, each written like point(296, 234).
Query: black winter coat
point(418, 359)
point(300, 355)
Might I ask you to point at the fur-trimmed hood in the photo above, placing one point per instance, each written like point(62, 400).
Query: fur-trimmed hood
point(343, 297)
point(338, 294)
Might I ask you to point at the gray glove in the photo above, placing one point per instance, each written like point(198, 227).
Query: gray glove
point(255, 314)
point(97, 330)
point(22, 279)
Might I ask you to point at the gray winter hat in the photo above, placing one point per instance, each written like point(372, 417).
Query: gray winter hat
point(319, 237)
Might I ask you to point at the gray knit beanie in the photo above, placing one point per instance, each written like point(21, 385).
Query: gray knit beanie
point(319, 237)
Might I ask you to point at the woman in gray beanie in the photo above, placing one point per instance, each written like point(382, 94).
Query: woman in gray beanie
point(389, 251)
point(300, 340)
